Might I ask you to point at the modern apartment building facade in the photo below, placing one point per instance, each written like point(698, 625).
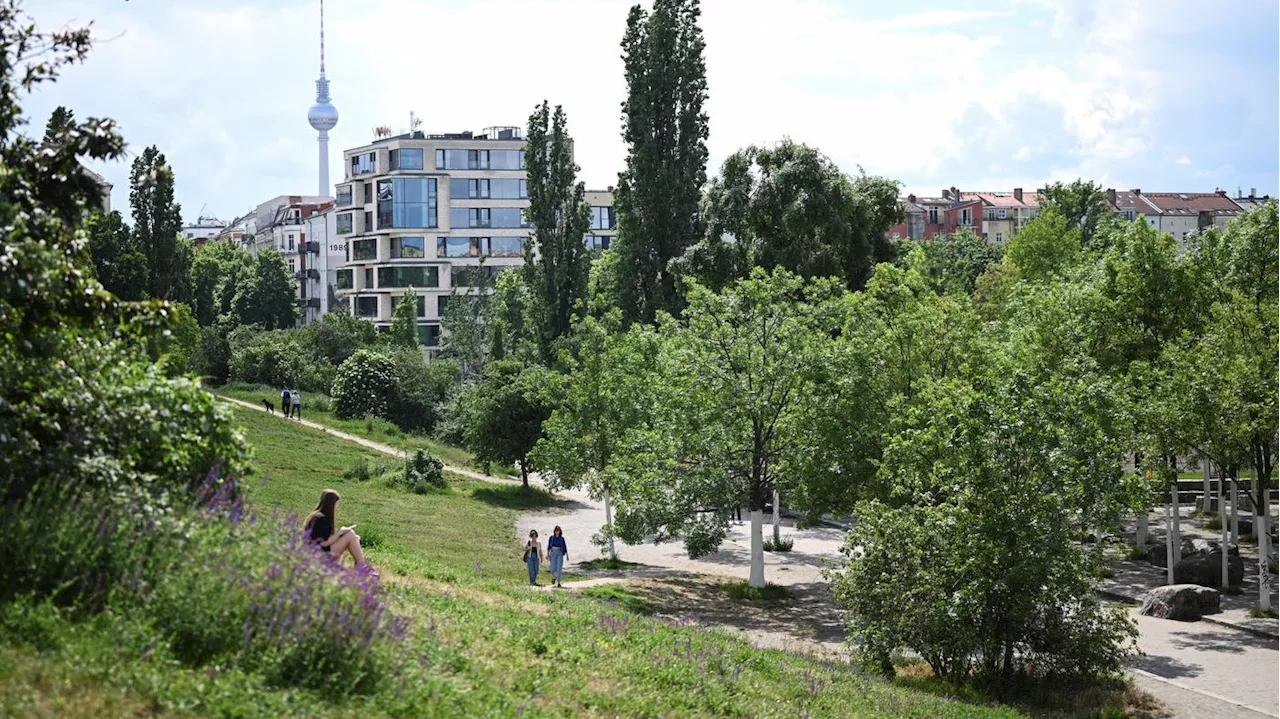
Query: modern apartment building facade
point(431, 213)
point(296, 226)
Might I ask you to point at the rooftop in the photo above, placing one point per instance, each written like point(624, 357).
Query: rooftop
point(1192, 203)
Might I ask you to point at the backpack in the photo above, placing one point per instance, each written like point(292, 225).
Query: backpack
point(284, 396)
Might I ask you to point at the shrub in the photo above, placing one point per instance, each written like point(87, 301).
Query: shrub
point(359, 472)
point(422, 472)
point(363, 385)
point(274, 359)
point(784, 543)
point(1214, 523)
point(414, 406)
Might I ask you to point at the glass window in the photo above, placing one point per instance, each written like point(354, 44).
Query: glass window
point(508, 189)
point(344, 279)
point(999, 237)
point(457, 247)
point(422, 304)
point(344, 223)
point(469, 276)
point(368, 278)
point(364, 164)
point(1003, 213)
point(406, 158)
point(507, 217)
point(506, 246)
point(364, 306)
point(442, 305)
point(408, 248)
point(429, 335)
point(408, 277)
point(344, 196)
point(602, 218)
point(407, 202)
point(461, 188)
point(598, 242)
point(469, 216)
point(364, 250)
point(451, 159)
point(368, 192)
point(504, 159)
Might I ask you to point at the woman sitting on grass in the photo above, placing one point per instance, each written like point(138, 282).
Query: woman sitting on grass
point(319, 529)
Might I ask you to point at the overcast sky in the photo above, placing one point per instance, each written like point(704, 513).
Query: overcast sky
point(1174, 95)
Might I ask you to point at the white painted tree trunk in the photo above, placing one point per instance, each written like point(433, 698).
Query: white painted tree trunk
point(1168, 543)
point(1222, 518)
point(1262, 521)
point(1176, 531)
point(608, 523)
point(777, 538)
point(757, 549)
point(1206, 501)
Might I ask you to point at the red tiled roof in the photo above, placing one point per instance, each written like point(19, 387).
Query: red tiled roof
point(1126, 200)
point(998, 199)
point(1191, 203)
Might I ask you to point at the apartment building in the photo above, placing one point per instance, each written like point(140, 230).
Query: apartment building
point(296, 227)
point(1004, 213)
point(1180, 214)
point(203, 229)
point(436, 213)
point(933, 216)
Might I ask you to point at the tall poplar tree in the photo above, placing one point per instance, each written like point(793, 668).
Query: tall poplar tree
point(665, 129)
point(556, 260)
point(157, 223)
point(60, 122)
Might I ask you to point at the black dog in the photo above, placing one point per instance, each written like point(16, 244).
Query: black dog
point(270, 407)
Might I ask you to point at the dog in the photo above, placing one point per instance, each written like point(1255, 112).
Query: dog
point(270, 407)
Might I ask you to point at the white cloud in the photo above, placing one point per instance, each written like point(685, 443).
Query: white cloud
point(1023, 154)
point(1183, 160)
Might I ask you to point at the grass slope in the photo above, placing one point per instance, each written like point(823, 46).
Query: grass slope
point(484, 644)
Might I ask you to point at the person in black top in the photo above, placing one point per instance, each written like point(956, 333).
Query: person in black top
point(319, 528)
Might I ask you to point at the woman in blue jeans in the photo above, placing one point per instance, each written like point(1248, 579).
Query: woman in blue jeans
point(557, 551)
point(533, 556)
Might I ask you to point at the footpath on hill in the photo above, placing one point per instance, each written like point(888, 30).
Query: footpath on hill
point(1196, 669)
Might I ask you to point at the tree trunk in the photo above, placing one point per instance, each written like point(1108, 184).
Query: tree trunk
point(1205, 500)
point(1222, 518)
point(1141, 541)
point(524, 475)
point(1168, 543)
point(1235, 514)
point(608, 523)
point(757, 549)
point(1175, 527)
point(1262, 521)
point(777, 538)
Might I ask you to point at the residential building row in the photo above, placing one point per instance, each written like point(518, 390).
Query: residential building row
point(998, 216)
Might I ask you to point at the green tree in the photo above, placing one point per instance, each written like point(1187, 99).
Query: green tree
point(267, 297)
point(218, 268)
point(1083, 204)
point(556, 259)
point(157, 225)
point(1044, 247)
point(339, 334)
point(364, 385)
point(505, 413)
point(604, 395)
point(665, 130)
point(404, 322)
point(117, 262)
point(469, 322)
point(955, 262)
point(789, 206)
point(733, 378)
point(61, 122)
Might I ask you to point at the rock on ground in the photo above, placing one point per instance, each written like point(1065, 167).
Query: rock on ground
point(1205, 569)
point(1181, 602)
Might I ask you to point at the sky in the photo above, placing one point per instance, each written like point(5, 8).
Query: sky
point(1163, 95)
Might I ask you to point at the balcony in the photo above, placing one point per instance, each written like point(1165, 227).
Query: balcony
point(314, 303)
point(312, 247)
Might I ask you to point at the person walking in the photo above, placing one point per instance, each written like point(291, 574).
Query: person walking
point(533, 556)
point(296, 398)
point(284, 402)
point(557, 552)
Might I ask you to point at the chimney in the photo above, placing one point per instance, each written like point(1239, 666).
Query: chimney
point(1136, 191)
point(955, 194)
point(1111, 197)
point(911, 199)
point(1017, 194)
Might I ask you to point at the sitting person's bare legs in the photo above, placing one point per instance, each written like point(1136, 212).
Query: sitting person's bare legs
point(348, 542)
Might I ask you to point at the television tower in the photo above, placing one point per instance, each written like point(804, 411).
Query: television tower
point(323, 116)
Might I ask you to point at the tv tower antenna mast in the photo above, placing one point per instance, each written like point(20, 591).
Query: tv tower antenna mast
point(323, 116)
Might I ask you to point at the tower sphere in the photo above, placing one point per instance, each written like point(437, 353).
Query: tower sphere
point(322, 116)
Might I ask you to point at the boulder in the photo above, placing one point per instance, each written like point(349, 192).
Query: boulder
point(1205, 569)
point(1244, 527)
point(1181, 602)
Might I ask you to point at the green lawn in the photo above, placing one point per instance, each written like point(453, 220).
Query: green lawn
point(484, 644)
point(378, 430)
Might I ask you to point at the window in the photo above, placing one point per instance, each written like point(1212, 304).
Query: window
point(442, 305)
point(479, 159)
point(1003, 213)
point(470, 276)
point(406, 158)
point(344, 280)
point(344, 196)
point(368, 278)
point(933, 216)
point(509, 189)
point(364, 250)
point(293, 266)
point(602, 218)
point(364, 306)
point(364, 164)
point(1000, 238)
point(897, 235)
point(598, 242)
point(506, 246)
point(966, 216)
point(507, 217)
point(422, 304)
point(368, 192)
point(461, 188)
point(400, 277)
point(408, 248)
point(504, 159)
point(458, 247)
point(451, 159)
point(991, 214)
point(429, 335)
point(291, 243)
point(469, 217)
point(344, 223)
point(407, 202)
